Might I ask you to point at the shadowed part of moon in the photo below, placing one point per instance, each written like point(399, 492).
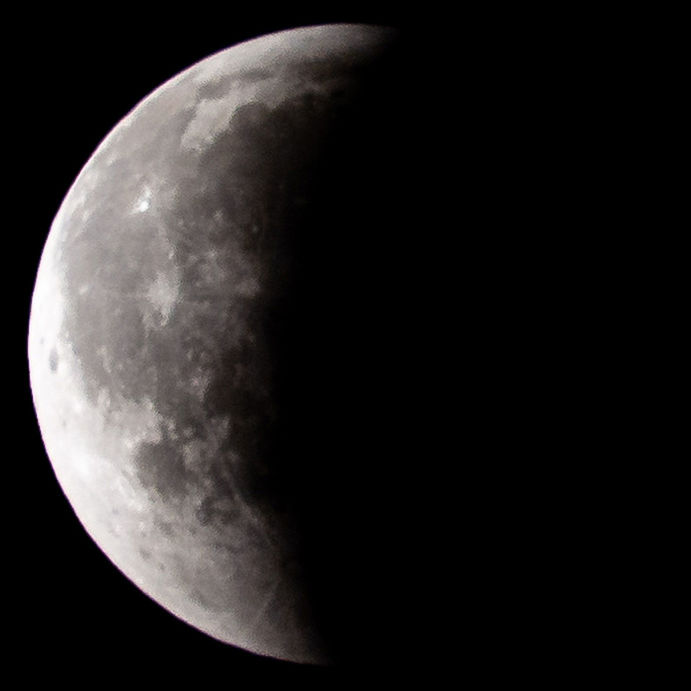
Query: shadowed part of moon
point(213, 323)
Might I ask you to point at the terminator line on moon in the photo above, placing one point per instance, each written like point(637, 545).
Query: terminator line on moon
point(150, 348)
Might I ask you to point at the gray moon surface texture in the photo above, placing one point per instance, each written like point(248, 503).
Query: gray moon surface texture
point(177, 375)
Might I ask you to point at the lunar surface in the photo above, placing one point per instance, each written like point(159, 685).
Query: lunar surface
point(196, 346)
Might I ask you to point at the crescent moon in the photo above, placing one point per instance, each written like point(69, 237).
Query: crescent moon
point(153, 356)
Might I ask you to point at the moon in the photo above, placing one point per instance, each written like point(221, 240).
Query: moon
point(204, 323)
